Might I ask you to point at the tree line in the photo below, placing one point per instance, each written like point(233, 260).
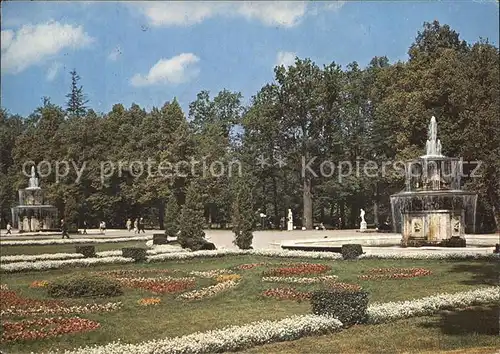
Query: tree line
point(307, 115)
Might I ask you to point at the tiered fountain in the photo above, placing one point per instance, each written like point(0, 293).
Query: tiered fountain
point(432, 210)
point(32, 214)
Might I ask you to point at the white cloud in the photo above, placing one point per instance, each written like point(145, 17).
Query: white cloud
point(285, 58)
point(53, 71)
point(115, 53)
point(180, 13)
point(176, 70)
point(7, 37)
point(33, 44)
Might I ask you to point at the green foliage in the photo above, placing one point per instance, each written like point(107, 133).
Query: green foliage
point(453, 242)
point(348, 306)
point(351, 251)
point(191, 222)
point(243, 216)
point(172, 217)
point(379, 113)
point(137, 253)
point(76, 98)
point(88, 251)
point(84, 286)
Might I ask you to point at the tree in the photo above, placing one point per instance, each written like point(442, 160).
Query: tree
point(76, 98)
point(243, 217)
point(192, 221)
point(172, 216)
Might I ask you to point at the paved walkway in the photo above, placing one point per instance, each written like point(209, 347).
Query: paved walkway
point(261, 239)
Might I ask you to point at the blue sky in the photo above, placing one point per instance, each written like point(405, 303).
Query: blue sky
point(150, 52)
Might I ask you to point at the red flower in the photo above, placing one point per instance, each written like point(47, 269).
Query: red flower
point(44, 328)
point(297, 269)
point(395, 273)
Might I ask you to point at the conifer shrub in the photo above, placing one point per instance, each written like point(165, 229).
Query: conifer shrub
point(83, 286)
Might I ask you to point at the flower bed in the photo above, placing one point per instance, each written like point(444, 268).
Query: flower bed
point(297, 269)
point(430, 254)
point(298, 280)
point(227, 252)
point(159, 285)
point(249, 266)
point(39, 284)
point(287, 294)
point(14, 305)
point(54, 264)
point(149, 301)
point(343, 286)
point(227, 339)
point(209, 291)
point(39, 257)
point(72, 241)
point(211, 273)
point(395, 273)
point(43, 328)
point(228, 277)
point(131, 272)
point(428, 305)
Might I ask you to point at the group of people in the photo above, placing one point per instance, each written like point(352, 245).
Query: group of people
point(138, 225)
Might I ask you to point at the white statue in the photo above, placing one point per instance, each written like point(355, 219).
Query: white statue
point(362, 215)
point(363, 225)
point(290, 220)
point(33, 181)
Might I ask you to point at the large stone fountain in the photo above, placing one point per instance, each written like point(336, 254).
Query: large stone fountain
point(433, 208)
point(32, 214)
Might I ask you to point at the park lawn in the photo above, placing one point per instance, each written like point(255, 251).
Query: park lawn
point(470, 331)
point(243, 304)
point(64, 248)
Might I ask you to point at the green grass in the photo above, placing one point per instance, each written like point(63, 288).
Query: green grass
point(244, 304)
point(64, 248)
point(450, 330)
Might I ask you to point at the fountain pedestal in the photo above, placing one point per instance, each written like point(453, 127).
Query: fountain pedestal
point(32, 214)
point(433, 209)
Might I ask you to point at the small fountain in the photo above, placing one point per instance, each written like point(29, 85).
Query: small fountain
point(32, 214)
point(433, 208)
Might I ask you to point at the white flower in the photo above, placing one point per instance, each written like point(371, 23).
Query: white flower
point(211, 273)
point(226, 339)
point(72, 240)
point(56, 309)
point(298, 280)
point(209, 291)
point(428, 305)
point(38, 257)
point(54, 264)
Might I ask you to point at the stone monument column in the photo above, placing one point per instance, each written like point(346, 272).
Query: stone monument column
point(290, 220)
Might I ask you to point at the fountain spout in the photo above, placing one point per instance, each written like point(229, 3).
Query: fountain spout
point(433, 144)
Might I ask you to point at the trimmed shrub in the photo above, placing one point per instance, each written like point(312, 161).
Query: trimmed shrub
point(348, 306)
point(351, 251)
point(172, 214)
point(454, 241)
point(88, 251)
point(207, 246)
point(138, 254)
point(160, 239)
point(84, 286)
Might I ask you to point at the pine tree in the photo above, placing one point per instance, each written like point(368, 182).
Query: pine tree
point(76, 98)
point(242, 214)
point(192, 220)
point(171, 216)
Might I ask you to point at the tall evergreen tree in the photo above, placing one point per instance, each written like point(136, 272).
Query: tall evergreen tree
point(243, 216)
point(76, 98)
point(191, 221)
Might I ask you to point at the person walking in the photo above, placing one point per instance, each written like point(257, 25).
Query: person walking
point(64, 229)
point(136, 226)
point(141, 226)
point(129, 224)
point(84, 227)
point(9, 229)
point(102, 227)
